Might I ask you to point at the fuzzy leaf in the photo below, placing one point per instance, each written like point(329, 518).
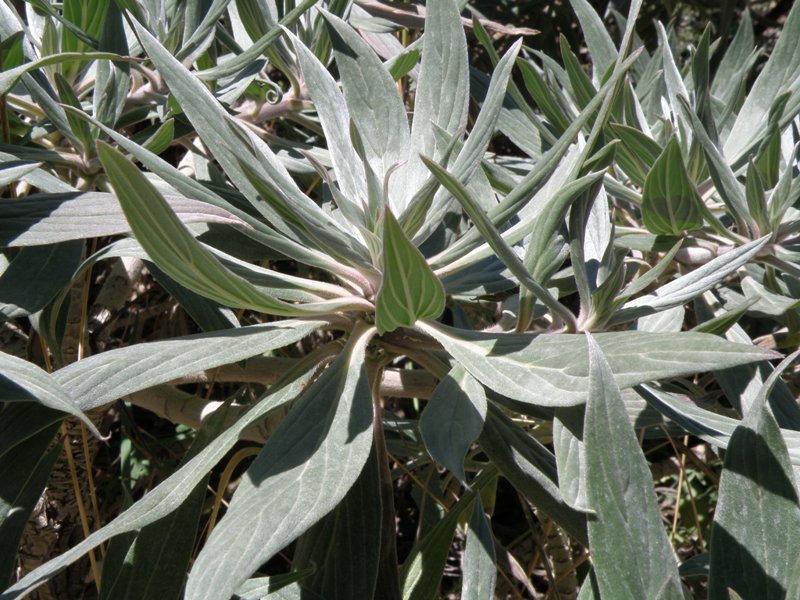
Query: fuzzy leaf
point(453, 419)
point(51, 218)
point(781, 73)
point(167, 497)
point(372, 98)
point(551, 369)
point(600, 45)
point(689, 286)
point(754, 543)
point(24, 381)
point(670, 202)
point(302, 473)
point(477, 564)
point(714, 428)
point(335, 120)
point(631, 554)
point(343, 549)
point(10, 76)
point(170, 245)
point(409, 290)
point(443, 73)
point(531, 469)
point(104, 377)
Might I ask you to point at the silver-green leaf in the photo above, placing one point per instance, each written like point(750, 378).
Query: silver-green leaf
point(453, 419)
point(409, 290)
point(302, 473)
point(670, 202)
point(551, 369)
point(630, 551)
point(754, 537)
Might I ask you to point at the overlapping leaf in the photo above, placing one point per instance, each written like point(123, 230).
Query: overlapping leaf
point(165, 498)
point(630, 551)
point(453, 419)
point(548, 370)
point(754, 546)
point(670, 202)
point(409, 290)
point(21, 380)
point(170, 245)
point(301, 474)
point(104, 377)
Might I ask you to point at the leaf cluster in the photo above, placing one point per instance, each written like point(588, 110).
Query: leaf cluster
point(406, 289)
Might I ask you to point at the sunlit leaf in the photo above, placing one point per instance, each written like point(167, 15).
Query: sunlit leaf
point(167, 496)
point(104, 377)
point(754, 547)
point(305, 469)
point(409, 290)
point(630, 551)
point(10, 76)
point(670, 202)
point(548, 370)
point(170, 245)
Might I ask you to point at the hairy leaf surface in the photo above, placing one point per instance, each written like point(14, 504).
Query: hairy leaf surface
point(104, 377)
point(754, 543)
point(302, 473)
point(551, 370)
point(409, 290)
point(630, 551)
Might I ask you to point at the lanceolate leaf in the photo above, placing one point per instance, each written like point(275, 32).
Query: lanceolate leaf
point(343, 548)
point(21, 380)
point(601, 46)
point(335, 119)
point(535, 180)
point(259, 47)
point(466, 164)
point(631, 554)
point(52, 218)
point(714, 428)
point(167, 497)
point(782, 72)
point(213, 125)
point(754, 543)
point(409, 290)
point(189, 187)
point(670, 202)
point(495, 240)
point(477, 564)
point(571, 455)
point(35, 276)
point(105, 377)
point(453, 419)
point(164, 548)
point(9, 77)
point(372, 98)
point(551, 369)
point(689, 286)
point(302, 473)
point(170, 245)
point(422, 570)
point(531, 469)
point(443, 74)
